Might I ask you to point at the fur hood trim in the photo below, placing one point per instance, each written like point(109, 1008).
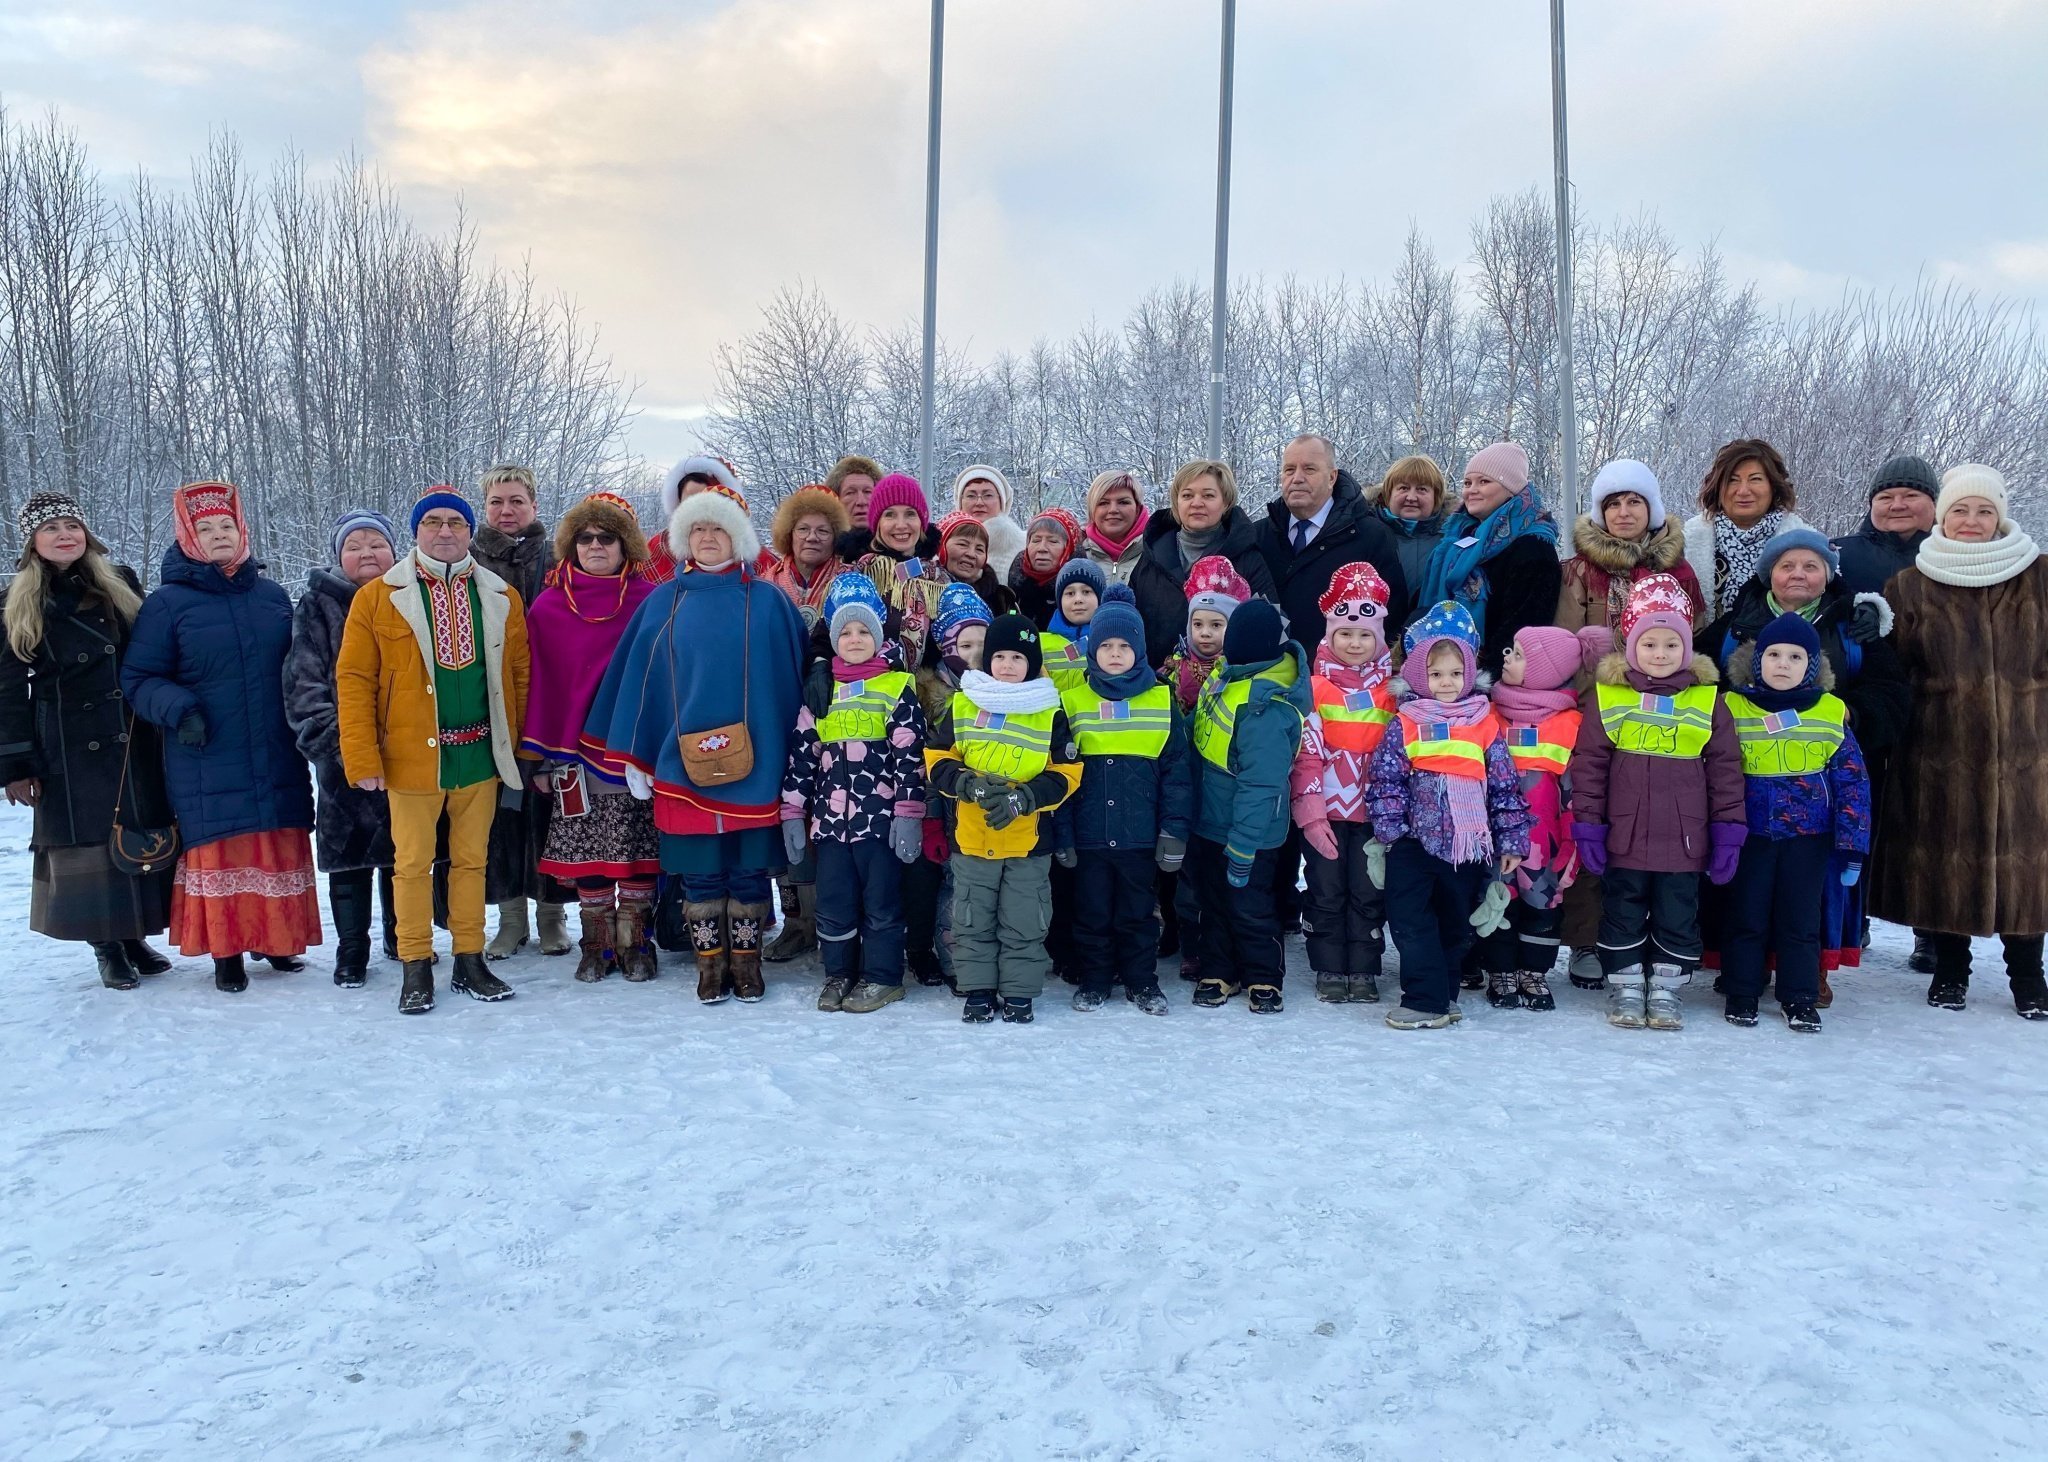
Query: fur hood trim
point(1659, 552)
point(1613, 669)
point(803, 503)
point(595, 512)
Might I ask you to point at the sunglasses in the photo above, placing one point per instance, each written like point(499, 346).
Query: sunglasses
point(597, 540)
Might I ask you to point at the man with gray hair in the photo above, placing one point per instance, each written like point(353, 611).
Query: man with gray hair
point(1319, 522)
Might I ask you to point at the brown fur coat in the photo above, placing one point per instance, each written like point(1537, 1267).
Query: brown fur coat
point(1597, 579)
point(1964, 847)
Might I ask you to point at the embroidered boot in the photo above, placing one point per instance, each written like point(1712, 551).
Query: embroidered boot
point(632, 944)
point(746, 921)
point(706, 923)
point(593, 961)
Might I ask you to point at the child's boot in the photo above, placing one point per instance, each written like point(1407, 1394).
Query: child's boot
point(1662, 1008)
point(1017, 1009)
point(1802, 1017)
point(1148, 998)
point(1739, 1010)
point(1212, 993)
point(1534, 987)
point(1332, 988)
point(1625, 1000)
point(1265, 999)
point(1502, 992)
point(979, 1008)
point(1585, 969)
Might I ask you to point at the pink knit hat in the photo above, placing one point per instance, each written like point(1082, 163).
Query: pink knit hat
point(1552, 656)
point(1656, 602)
point(1505, 462)
point(898, 490)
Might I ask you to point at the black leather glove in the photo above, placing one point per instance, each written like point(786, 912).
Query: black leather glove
point(192, 730)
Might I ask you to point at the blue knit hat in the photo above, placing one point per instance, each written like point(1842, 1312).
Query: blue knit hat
point(1448, 623)
point(1783, 543)
point(1080, 570)
point(356, 518)
point(1788, 629)
point(959, 607)
point(441, 496)
point(1117, 619)
point(1256, 635)
point(853, 596)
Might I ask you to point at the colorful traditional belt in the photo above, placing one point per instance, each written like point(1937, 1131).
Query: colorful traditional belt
point(467, 735)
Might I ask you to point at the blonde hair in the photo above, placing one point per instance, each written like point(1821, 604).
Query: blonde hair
point(1195, 471)
point(1412, 469)
point(508, 472)
point(30, 590)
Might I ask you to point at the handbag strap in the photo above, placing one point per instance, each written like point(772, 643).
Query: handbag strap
point(127, 750)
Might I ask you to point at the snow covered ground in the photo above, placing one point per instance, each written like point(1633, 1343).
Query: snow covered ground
point(608, 1223)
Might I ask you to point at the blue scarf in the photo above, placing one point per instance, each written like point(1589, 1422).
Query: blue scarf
point(1470, 543)
point(1134, 681)
point(1407, 527)
point(1078, 633)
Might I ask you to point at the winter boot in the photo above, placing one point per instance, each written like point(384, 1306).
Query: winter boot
point(2023, 971)
point(1803, 1018)
point(1264, 999)
point(744, 923)
point(387, 904)
point(349, 902)
point(1086, 999)
point(1365, 989)
point(799, 934)
point(416, 992)
point(1661, 1007)
point(1503, 993)
point(1625, 1000)
point(1827, 992)
point(477, 982)
point(1017, 1010)
point(1921, 960)
point(925, 967)
point(116, 973)
point(230, 975)
point(1332, 988)
point(1148, 998)
point(1405, 1018)
point(1534, 988)
point(833, 994)
point(1950, 987)
point(513, 931)
point(869, 996)
point(1211, 993)
point(706, 921)
point(633, 940)
point(1739, 1010)
point(1585, 969)
point(142, 959)
point(979, 1008)
point(594, 961)
point(552, 923)
point(284, 964)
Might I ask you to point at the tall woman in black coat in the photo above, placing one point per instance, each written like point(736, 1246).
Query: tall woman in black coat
point(1201, 518)
point(65, 733)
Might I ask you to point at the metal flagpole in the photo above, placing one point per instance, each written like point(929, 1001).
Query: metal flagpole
point(925, 450)
point(1567, 402)
point(1219, 289)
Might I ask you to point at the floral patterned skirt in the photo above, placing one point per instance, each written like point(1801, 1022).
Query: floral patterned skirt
point(253, 893)
point(615, 839)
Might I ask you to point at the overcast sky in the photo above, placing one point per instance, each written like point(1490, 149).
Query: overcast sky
point(670, 164)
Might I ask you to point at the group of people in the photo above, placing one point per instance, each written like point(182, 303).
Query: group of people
point(982, 749)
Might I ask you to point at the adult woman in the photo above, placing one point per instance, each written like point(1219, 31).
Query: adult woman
point(805, 536)
point(1624, 539)
point(601, 839)
point(899, 551)
point(207, 663)
point(1498, 553)
point(1746, 500)
point(1201, 518)
point(963, 559)
point(1053, 538)
point(1960, 852)
point(352, 837)
point(66, 741)
point(984, 495)
point(1115, 535)
point(712, 664)
point(1410, 501)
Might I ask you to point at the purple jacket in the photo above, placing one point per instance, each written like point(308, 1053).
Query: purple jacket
point(1403, 802)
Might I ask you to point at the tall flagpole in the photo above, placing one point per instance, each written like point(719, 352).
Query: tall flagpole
point(1567, 402)
point(925, 450)
point(1219, 289)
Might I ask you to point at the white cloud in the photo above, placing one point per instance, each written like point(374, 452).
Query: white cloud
point(181, 51)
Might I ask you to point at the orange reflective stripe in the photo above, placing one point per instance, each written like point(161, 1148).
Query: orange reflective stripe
point(1353, 721)
point(1546, 746)
point(1451, 751)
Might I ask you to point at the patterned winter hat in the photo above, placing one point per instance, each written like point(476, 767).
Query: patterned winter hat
point(1068, 526)
point(854, 597)
point(959, 607)
point(358, 518)
point(1215, 584)
point(1656, 602)
point(1357, 595)
point(959, 523)
point(698, 465)
point(898, 490)
point(1081, 571)
point(47, 507)
point(1117, 619)
point(197, 500)
point(1448, 623)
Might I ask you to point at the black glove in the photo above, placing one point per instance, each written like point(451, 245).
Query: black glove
point(192, 730)
point(1866, 622)
point(1007, 808)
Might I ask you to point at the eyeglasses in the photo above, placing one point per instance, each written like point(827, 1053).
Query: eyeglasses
point(597, 540)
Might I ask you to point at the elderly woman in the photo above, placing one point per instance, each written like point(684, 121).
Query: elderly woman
point(1961, 846)
point(207, 663)
point(1201, 519)
point(1626, 538)
point(1498, 553)
point(1052, 540)
point(1746, 500)
point(983, 494)
point(68, 747)
point(694, 713)
point(964, 559)
point(353, 832)
point(1410, 501)
point(1115, 536)
point(805, 537)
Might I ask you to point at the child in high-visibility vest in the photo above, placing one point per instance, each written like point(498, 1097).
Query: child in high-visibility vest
point(1535, 701)
point(1129, 820)
point(1078, 593)
point(1001, 752)
point(855, 785)
point(1807, 794)
point(1656, 801)
point(958, 627)
point(1447, 803)
point(1344, 916)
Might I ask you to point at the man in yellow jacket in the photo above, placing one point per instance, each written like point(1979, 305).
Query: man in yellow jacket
point(431, 688)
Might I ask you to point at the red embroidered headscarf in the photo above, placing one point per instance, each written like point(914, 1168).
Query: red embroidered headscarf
point(196, 500)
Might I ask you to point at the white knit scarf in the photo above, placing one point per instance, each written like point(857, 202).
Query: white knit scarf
point(991, 694)
point(1976, 565)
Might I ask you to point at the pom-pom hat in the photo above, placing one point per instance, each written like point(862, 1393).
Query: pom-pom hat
point(854, 598)
point(1117, 619)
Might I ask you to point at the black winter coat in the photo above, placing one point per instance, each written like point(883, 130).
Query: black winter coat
point(1353, 532)
point(1034, 600)
point(522, 562)
point(354, 826)
point(1159, 581)
point(1523, 582)
point(1871, 558)
point(216, 644)
point(1870, 679)
point(64, 721)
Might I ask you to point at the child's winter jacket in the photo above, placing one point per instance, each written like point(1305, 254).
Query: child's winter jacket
point(1353, 706)
point(1406, 801)
point(857, 759)
point(1246, 733)
point(1542, 728)
point(1136, 785)
point(1786, 797)
point(1185, 671)
point(1017, 733)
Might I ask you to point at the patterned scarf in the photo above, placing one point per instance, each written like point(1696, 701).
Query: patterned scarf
point(448, 606)
point(1189, 671)
point(1348, 677)
point(1737, 551)
point(1470, 543)
point(1471, 837)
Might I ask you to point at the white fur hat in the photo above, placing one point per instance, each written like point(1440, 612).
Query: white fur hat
point(1625, 474)
point(718, 504)
point(700, 465)
point(1972, 479)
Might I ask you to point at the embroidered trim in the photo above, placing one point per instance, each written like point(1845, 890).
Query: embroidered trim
point(454, 625)
point(227, 883)
point(467, 735)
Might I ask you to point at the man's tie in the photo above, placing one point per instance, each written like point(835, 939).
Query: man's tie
point(1301, 527)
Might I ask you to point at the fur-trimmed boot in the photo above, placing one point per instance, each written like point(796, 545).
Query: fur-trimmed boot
point(746, 921)
point(593, 961)
point(799, 934)
point(632, 940)
point(706, 923)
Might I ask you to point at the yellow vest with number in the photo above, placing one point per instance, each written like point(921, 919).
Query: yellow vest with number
point(1788, 743)
point(1013, 744)
point(1065, 665)
point(1217, 706)
point(1135, 727)
point(1658, 725)
point(860, 708)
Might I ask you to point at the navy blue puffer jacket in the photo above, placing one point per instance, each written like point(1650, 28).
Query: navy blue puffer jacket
point(210, 643)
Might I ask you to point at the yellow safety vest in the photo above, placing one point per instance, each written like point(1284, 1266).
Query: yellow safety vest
point(1012, 744)
point(1658, 725)
point(1217, 706)
point(1135, 727)
point(1065, 665)
point(1788, 743)
point(860, 708)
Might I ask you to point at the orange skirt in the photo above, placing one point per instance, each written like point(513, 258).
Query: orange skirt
point(253, 893)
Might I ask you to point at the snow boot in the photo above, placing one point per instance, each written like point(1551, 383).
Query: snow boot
point(1950, 988)
point(1921, 960)
point(1802, 1017)
point(706, 922)
point(869, 996)
point(594, 962)
point(1625, 1000)
point(744, 923)
point(1948, 994)
point(1405, 1018)
point(416, 993)
point(349, 902)
point(1739, 1010)
point(1086, 999)
point(1365, 989)
point(1148, 998)
point(1585, 968)
point(116, 973)
point(1264, 999)
point(142, 959)
point(925, 967)
point(1017, 1010)
point(799, 934)
point(230, 975)
point(1534, 988)
point(513, 931)
point(1661, 1008)
point(979, 1008)
point(633, 941)
point(1502, 993)
point(1332, 988)
point(2023, 972)
point(477, 982)
point(833, 995)
point(283, 964)
point(1827, 992)
point(552, 926)
point(1210, 993)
